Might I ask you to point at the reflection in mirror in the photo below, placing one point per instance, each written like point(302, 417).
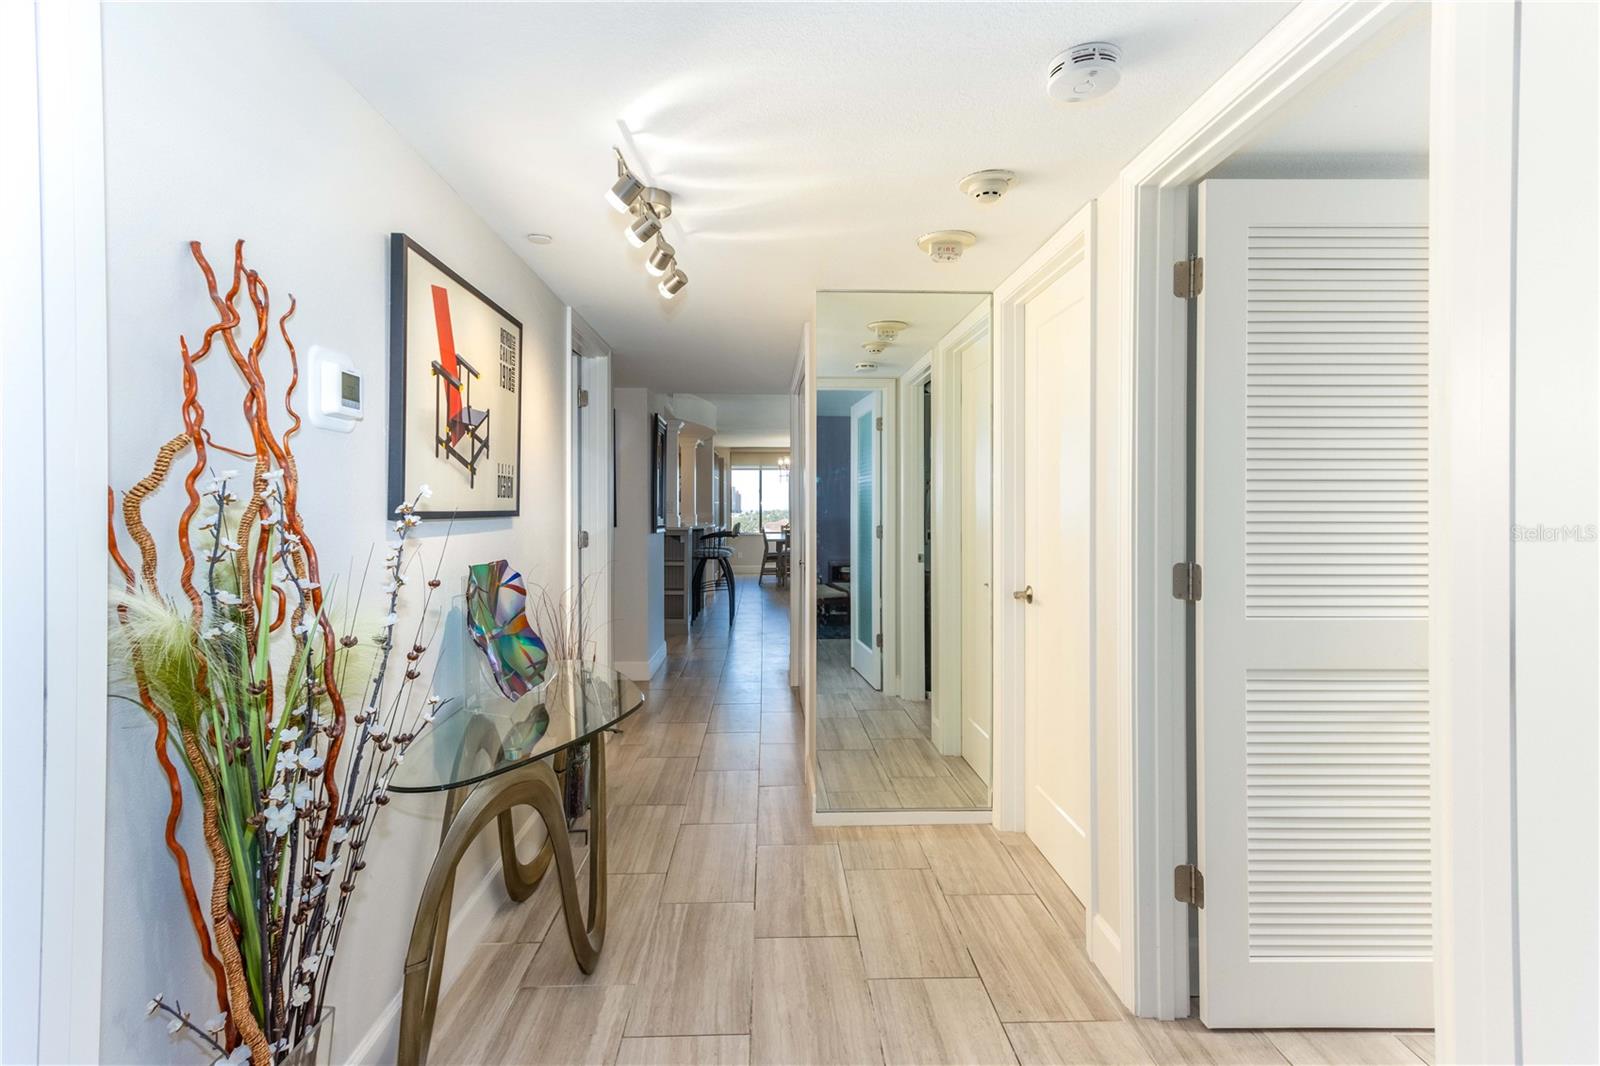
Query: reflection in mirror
point(903, 534)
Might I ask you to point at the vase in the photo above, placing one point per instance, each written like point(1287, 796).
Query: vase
point(315, 1048)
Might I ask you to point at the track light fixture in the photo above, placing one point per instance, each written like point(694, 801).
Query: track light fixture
point(643, 228)
point(649, 207)
point(672, 284)
point(662, 258)
point(625, 192)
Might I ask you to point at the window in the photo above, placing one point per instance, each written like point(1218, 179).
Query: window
point(760, 497)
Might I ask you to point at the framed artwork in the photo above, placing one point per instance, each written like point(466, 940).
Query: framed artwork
point(658, 474)
point(455, 391)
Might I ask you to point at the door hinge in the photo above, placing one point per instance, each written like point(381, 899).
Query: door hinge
point(1186, 582)
point(1188, 277)
point(583, 538)
point(583, 397)
point(1189, 885)
point(879, 532)
point(877, 641)
point(880, 423)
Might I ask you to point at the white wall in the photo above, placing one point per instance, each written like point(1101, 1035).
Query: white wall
point(1110, 497)
point(220, 123)
point(638, 636)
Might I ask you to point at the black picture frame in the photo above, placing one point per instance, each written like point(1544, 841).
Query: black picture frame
point(400, 487)
point(658, 474)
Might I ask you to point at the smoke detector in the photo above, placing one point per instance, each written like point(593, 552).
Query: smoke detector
point(874, 347)
point(887, 330)
point(946, 245)
point(866, 367)
point(1084, 72)
point(987, 186)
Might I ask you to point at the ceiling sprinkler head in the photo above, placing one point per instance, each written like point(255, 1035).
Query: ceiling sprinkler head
point(946, 245)
point(874, 347)
point(887, 330)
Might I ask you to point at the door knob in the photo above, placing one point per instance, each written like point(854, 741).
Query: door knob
point(1026, 595)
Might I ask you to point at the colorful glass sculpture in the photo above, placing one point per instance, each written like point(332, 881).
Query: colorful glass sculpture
point(497, 619)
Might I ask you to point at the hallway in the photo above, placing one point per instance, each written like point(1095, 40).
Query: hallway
point(740, 933)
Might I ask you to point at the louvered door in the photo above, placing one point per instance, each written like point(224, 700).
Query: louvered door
point(1312, 730)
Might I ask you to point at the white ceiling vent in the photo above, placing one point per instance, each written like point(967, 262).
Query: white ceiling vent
point(874, 347)
point(946, 245)
point(865, 367)
point(887, 330)
point(987, 186)
point(1084, 72)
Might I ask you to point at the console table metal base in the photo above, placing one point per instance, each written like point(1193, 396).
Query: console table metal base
point(467, 812)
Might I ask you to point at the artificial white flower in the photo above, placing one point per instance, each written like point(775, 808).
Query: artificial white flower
point(175, 1025)
point(299, 996)
point(153, 1006)
point(310, 963)
point(389, 619)
point(213, 633)
point(303, 795)
point(340, 834)
point(302, 629)
point(410, 519)
point(424, 491)
point(271, 476)
point(323, 867)
point(311, 584)
point(236, 1057)
point(210, 521)
point(289, 734)
point(228, 545)
point(229, 628)
point(217, 1023)
point(287, 761)
point(279, 793)
point(310, 761)
point(278, 819)
point(226, 597)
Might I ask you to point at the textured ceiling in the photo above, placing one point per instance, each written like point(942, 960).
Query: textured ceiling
point(807, 145)
point(842, 319)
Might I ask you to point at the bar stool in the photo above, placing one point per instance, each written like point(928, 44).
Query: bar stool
point(713, 548)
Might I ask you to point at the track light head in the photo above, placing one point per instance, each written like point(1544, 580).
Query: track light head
point(644, 227)
point(662, 259)
point(672, 284)
point(625, 192)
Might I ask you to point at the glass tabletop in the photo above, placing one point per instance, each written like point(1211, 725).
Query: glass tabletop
point(480, 733)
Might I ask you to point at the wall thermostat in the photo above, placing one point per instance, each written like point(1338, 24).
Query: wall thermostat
point(338, 391)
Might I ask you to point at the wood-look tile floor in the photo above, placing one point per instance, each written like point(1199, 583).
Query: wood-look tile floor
point(874, 751)
point(739, 933)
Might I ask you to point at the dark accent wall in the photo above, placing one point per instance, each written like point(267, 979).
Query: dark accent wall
point(833, 493)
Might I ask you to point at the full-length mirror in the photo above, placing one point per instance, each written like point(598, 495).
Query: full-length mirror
point(904, 527)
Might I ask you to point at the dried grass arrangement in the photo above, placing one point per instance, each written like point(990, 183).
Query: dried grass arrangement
point(245, 674)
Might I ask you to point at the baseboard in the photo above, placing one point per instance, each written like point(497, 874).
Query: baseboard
point(748, 570)
point(1105, 951)
point(470, 918)
point(640, 671)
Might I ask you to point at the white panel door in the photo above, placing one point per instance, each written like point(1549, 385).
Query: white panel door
point(1312, 684)
point(1057, 349)
point(593, 503)
point(977, 554)
point(866, 538)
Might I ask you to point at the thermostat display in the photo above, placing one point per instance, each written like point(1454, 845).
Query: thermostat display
point(337, 393)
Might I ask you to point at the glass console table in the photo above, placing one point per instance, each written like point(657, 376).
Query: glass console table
point(489, 755)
